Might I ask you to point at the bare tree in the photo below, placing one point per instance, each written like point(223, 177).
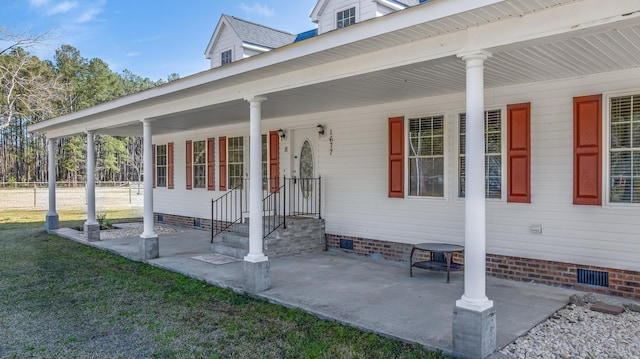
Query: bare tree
point(10, 41)
point(28, 87)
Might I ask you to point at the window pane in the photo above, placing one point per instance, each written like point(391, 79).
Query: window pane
point(426, 177)
point(493, 154)
point(414, 144)
point(438, 126)
point(462, 172)
point(161, 165)
point(621, 163)
point(492, 143)
point(425, 147)
point(426, 157)
point(621, 109)
point(636, 134)
point(438, 146)
point(493, 169)
point(621, 135)
point(235, 161)
point(161, 180)
point(413, 176)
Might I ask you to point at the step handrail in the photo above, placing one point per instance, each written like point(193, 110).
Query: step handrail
point(305, 199)
point(224, 216)
point(273, 216)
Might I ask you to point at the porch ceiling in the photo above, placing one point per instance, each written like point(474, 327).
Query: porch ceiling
point(612, 50)
point(216, 97)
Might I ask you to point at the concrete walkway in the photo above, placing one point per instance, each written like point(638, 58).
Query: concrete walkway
point(372, 295)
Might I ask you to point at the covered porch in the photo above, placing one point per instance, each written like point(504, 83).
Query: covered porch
point(372, 295)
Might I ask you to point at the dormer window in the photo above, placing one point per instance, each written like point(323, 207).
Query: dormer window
point(345, 18)
point(225, 57)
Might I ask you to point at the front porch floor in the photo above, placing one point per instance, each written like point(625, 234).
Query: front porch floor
point(372, 295)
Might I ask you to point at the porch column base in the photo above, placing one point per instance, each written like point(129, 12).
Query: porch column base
point(92, 230)
point(52, 222)
point(256, 276)
point(149, 247)
point(474, 332)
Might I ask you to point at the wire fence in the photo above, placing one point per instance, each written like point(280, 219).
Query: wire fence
point(69, 196)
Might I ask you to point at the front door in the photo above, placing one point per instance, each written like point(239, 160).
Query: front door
point(304, 189)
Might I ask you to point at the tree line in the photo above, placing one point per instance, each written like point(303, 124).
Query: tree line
point(35, 90)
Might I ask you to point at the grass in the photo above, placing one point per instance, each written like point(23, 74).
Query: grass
point(62, 299)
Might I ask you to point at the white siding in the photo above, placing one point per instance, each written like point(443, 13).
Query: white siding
point(355, 199)
point(227, 40)
point(365, 9)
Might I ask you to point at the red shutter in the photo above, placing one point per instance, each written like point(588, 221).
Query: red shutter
point(170, 165)
point(153, 162)
point(519, 153)
point(396, 157)
point(211, 183)
point(189, 158)
point(587, 150)
point(274, 160)
point(222, 153)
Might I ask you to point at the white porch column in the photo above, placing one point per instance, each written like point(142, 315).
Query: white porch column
point(256, 267)
point(148, 243)
point(255, 182)
point(91, 226)
point(474, 325)
point(52, 220)
point(474, 296)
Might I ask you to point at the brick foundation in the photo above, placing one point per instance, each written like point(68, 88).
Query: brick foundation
point(622, 283)
point(182, 221)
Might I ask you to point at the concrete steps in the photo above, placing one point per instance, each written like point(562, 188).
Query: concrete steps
point(301, 235)
point(234, 243)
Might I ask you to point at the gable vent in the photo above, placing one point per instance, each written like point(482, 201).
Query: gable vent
point(593, 277)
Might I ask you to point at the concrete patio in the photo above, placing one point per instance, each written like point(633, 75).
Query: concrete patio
point(372, 295)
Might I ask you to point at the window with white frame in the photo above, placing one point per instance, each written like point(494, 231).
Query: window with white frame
point(161, 166)
point(492, 152)
point(426, 156)
point(345, 18)
point(225, 57)
point(199, 164)
point(235, 161)
point(624, 149)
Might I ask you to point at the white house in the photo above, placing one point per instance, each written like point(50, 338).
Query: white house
point(509, 126)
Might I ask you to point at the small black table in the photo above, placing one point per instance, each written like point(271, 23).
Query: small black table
point(446, 249)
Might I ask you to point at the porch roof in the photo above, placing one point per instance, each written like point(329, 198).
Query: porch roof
point(408, 54)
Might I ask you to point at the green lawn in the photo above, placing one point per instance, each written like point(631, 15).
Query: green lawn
point(62, 299)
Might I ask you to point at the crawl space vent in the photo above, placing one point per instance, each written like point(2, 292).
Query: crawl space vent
point(593, 277)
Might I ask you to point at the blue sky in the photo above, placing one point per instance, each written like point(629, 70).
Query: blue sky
point(150, 38)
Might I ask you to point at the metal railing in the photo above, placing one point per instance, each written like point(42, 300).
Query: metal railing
point(295, 197)
point(305, 196)
point(228, 209)
point(274, 208)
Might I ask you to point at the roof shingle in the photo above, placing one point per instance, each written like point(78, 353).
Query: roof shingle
point(257, 34)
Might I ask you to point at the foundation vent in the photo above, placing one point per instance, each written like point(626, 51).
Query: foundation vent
point(593, 277)
point(160, 218)
point(346, 243)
